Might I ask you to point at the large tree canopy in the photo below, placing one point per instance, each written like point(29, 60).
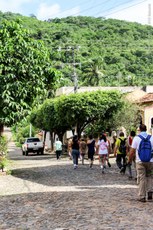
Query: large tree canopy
point(79, 110)
point(25, 72)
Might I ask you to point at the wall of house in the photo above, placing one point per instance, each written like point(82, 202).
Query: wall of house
point(149, 89)
point(148, 114)
point(69, 90)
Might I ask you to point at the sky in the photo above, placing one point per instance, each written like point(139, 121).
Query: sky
point(130, 10)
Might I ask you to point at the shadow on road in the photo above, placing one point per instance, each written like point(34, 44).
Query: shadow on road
point(65, 175)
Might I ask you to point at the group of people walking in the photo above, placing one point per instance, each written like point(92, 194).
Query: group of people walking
point(78, 148)
point(135, 149)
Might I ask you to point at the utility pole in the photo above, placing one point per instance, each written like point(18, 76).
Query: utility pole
point(149, 23)
point(74, 64)
point(149, 14)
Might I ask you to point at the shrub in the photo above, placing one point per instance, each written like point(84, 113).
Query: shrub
point(3, 153)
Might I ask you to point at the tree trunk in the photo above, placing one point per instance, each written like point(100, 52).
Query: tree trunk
point(1, 129)
point(45, 132)
point(52, 140)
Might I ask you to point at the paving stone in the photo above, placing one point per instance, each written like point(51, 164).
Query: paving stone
point(45, 194)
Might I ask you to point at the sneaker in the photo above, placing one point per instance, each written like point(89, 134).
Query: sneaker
point(75, 166)
point(109, 165)
point(103, 169)
point(122, 170)
point(130, 177)
point(141, 199)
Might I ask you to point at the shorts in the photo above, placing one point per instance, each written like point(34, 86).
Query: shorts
point(103, 156)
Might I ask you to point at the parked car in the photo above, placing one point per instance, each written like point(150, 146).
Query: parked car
point(34, 145)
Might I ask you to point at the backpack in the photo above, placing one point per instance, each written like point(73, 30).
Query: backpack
point(122, 147)
point(145, 149)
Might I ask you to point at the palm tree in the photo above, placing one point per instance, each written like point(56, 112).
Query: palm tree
point(93, 73)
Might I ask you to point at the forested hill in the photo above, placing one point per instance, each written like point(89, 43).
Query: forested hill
point(99, 51)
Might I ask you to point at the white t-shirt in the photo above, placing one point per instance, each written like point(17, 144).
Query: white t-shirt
point(58, 145)
point(103, 147)
point(136, 142)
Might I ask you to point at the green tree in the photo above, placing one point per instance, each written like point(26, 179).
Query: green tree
point(128, 117)
point(76, 110)
point(93, 73)
point(25, 72)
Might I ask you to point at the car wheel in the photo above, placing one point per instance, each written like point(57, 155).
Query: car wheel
point(42, 152)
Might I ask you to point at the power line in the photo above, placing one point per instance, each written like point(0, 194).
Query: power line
point(68, 9)
point(101, 4)
point(87, 9)
point(123, 8)
point(92, 7)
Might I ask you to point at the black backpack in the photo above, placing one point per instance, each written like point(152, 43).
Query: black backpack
point(122, 147)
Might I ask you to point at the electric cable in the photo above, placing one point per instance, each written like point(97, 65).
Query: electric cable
point(125, 8)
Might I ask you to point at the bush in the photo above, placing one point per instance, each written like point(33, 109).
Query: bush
point(3, 145)
point(3, 153)
point(21, 132)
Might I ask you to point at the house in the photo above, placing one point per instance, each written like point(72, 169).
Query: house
point(146, 105)
point(144, 98)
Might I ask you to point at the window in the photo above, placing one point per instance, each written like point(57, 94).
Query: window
point(152, 122)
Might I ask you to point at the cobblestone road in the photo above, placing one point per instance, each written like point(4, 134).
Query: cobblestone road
point(43, 193)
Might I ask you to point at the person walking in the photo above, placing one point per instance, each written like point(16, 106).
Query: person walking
point(82, 149)
point(102, 150)
point(129, 143)
point(58, 148)
point(75, 151)
point(109, 149)
point(91, 150)
point(120, 152)
point(142, 147)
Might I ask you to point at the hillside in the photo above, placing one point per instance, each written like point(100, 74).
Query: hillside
point(97, 51)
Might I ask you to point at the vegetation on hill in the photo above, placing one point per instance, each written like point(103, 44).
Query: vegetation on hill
point(98, 51)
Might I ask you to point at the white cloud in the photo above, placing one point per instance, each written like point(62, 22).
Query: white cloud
point(45, 11)
point(138, 13)
point(14, 6)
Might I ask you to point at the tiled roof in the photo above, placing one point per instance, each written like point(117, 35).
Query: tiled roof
point(136, 95)
point(146, 98)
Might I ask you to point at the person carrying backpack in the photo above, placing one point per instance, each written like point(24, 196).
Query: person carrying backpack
point(120, 151)
point(142, 147)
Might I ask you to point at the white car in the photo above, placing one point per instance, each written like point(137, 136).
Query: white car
point(34, 145)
